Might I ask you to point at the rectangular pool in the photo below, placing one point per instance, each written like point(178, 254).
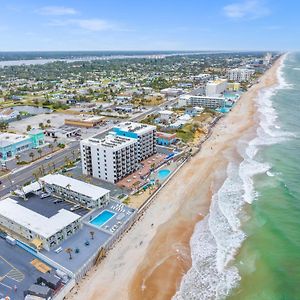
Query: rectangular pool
point(102, 218)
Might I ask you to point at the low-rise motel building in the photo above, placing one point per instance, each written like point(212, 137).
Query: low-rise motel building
point(34, 213)
point(88, 195)
point(201, 101)
point(12, 144)
point(36, 228)
point(119, 153)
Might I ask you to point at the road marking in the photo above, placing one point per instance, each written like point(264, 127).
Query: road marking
point(14, 273)
point(9, 287)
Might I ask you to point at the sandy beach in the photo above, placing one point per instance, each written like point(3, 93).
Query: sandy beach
point(150, 260)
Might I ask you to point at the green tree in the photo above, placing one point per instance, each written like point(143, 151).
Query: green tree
point(40, 151)
point(28, 127)
point(31, 155)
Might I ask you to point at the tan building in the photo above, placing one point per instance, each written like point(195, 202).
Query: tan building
point(86, 122)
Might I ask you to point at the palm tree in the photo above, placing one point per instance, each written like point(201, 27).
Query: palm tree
point(40, 151)
point(35, 175)
point(31, 154)
point(69, 251)
point(74, 154)
point(92, 233)
point(50, 146)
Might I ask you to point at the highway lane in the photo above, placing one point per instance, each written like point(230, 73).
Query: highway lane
point(23, 175)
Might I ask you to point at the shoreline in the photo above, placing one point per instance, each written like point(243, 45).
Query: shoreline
point(149, 262)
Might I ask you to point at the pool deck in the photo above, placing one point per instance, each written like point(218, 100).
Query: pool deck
point(101, 235)
point(136, 179)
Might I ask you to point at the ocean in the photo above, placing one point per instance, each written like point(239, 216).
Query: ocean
point(248, 246)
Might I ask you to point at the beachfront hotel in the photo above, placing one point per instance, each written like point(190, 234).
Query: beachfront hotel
point(110, 158)
point(12, 144)
point(240, 74)
point(216, 87)
point(144, 134)
point(119, 153)
point(201, 101)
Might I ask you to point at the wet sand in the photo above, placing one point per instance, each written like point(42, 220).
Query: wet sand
point(149, 262)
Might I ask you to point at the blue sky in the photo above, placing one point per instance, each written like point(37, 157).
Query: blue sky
point(149, 25)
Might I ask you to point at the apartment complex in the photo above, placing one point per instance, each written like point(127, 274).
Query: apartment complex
point(201, 101)
point(68, 188)
point(118, 154)
point(143, 133)
point(239, 74)
point(110, 158)
point(216, 87)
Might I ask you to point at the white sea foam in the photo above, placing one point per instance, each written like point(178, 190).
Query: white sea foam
point(217, 238)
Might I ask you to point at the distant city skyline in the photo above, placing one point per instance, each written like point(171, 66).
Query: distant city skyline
point(154, 25)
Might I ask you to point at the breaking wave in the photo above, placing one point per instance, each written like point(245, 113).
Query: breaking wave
point(218, 237)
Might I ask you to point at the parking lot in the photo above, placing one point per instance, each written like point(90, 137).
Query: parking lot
point(56, 120)
point(48, 206)
point(16, 271)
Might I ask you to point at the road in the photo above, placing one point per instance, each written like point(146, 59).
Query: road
point(25, 174)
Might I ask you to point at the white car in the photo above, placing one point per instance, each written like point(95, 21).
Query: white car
point(48, 157)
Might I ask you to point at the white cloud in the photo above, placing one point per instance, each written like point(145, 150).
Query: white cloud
point(95, 24)
point(249, 9)
point(57, 11)
point(87, 24)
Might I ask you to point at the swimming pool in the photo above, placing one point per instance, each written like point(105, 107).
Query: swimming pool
point(102, 218)
point(163, 174)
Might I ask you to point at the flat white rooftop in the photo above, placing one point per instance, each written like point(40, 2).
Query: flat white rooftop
point(92, 191)
point(7, 139)
point(138, 128)
point(111, 141)
point(39, 224)
point(166, 112)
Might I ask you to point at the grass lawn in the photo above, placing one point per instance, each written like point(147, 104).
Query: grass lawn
point(186, 133)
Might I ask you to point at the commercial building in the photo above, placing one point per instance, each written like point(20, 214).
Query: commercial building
point(12, 144)
point(216, 87)
point(65, 187)
point(172, 92)
point(110, 158)
point(240, 74)
point(8, 114)
point(63, 132)
point(204, 101)
point(87, 122)
point(40, 230)
point(143, 133)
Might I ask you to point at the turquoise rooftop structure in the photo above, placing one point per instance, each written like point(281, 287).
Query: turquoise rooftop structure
point(12, 144)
